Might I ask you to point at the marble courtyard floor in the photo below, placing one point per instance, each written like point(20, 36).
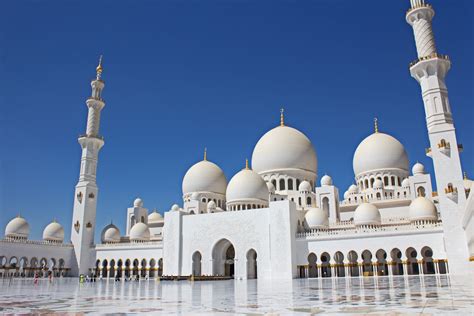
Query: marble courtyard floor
point(413, 295)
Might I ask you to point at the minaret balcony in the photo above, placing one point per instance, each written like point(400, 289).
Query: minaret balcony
point(431, 56)
point(424, 5)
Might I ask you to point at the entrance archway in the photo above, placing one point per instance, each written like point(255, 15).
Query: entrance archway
point(197, 263)
point(223, 256)
point(251, 264)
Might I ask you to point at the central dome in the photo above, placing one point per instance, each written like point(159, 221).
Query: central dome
point(377, 152)
point(284, 148)
point(205, 176)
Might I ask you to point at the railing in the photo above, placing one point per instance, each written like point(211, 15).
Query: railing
point(424, 5)
point(431, 56)
point(131, 244)
point(366, 230)
point(34, 242)
point(92, 136)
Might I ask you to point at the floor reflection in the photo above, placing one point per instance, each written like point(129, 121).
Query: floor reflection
point(414, 294)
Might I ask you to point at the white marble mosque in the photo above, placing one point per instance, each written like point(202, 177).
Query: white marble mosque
point(276, 219)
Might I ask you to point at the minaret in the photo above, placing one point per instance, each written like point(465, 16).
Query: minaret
point(85, 196)
point(430, 69)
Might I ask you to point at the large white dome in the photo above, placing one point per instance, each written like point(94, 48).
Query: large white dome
point(17, 228)
point(247, 185)
point(316, 218)
point(204, 176)
point(111, 234)
point(53, 232)
point(377, 152)
point(367, 214)
point(284, 148)
point(140, 232)
point(423, 209)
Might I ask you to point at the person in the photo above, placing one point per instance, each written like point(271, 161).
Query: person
point(35, 281)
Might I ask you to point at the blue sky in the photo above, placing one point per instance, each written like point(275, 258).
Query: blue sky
point(184, 75)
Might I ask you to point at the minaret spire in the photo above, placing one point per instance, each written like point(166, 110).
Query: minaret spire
point(205, 154)
point(85, 197)
point(430, 69)
point(376, 125)
point(282, 117)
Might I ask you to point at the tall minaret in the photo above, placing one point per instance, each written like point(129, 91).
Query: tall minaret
point(85, 197)
point(429, 70)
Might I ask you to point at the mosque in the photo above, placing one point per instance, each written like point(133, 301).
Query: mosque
point(272, 220)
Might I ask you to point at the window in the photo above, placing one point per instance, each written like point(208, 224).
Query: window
point(297, 184)
point(299, 201)
point(143, 219)
point(282, 184)
point(420, 191)
point(274, 182)
point(326, 204)
point(308, 200)
point(290, 184)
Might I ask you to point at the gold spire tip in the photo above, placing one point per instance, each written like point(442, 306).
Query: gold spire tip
point(205, 153)
point(465, 175)
point(99, 68)
point(376, 125)
point(246, 164)
point(282, 117)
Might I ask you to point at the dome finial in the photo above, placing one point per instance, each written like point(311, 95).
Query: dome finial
point(465, 175)
point(99, 68)
point(376, 125)
point(205, 153)
point(246, 164)
point(282, 117)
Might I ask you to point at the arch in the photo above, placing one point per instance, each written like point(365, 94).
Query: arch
point(127, 268)
point(308, 201)
point(325, 265)
point(339, 269)
point(325, 204)
point(312, 267)
point(119, 268)
point(104, 268)
point(135, 267)
point(385, 181)
point(112, 269)
point(298, 182)
point(428, 263)
point(299, 201)
point(160, 267)
point(393, 180)
point(3, 261)
point(282, 185)
point(420, 191)
point(196, 268)
point(152, 268)
point(367, 268)
point(353, 266)
point(382, 265)
point(412, 262)
point(290, 184)
point(251, 264)
point(223, 255)
point(143, 267)
point(274, 182)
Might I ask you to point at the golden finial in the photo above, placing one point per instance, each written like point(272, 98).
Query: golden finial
point(465, 175)
point(205, 153)
point(246, 164)
point(376, 125)
point(282, 117)
point(99, 68)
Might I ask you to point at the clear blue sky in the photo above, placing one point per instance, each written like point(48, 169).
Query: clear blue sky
point(184, 75)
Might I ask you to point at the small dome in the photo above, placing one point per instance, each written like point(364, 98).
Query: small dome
point(378, 184)
point(204, 176)
point(423, 209)
point(346, 195)
point(271, 187)
point(211, 206)
point(53, 232)
point(367, 214)
point(155, 217)
point(17, 228)
point(352, 189)
point(305, 186)
point(284, 147)
point(418, 168)
point(247, 185)
point(379, 151)
point(406, 183)
point(316, 218)
point(326, 180)
point(138, 202)
point(110, 233)
point(139, 232)
point(175, 207)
